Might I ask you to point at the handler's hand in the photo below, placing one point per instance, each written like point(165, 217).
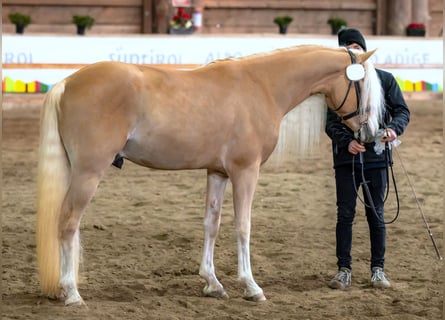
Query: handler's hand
point(355, 147)
point(389, 135)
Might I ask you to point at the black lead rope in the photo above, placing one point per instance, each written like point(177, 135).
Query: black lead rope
point(364, 184)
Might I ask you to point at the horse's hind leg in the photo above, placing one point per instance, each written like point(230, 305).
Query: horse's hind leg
point(80, 193)
point(216, 185)
point(69, 267)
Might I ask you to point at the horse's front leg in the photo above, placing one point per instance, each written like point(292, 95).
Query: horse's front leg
point(216, 185)
point(244, 184)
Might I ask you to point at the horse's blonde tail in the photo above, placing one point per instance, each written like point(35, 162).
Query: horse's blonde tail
point(52, 184)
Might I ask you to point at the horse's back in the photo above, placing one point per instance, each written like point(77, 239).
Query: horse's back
point(102, 76)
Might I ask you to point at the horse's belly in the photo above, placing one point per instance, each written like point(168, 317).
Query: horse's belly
point(170, 154)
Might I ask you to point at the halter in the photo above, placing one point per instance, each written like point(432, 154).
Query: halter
point(357, 94)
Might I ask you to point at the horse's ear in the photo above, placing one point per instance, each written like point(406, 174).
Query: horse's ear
point(364, 56)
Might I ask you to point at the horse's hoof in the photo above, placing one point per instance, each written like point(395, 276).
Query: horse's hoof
point(217, 294)
point(259, 297)
point(220, 294)
point(75, 301)
point(55, 297)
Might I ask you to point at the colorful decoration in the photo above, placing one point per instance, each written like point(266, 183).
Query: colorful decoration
point(409, 86)
point(17, 86)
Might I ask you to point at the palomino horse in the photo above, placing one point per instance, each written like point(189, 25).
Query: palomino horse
point(224, 117)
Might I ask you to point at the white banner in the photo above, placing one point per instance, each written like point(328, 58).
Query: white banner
point(197, 49)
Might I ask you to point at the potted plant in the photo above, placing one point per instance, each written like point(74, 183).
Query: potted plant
point(415, 30)
point(181, 23)
point(337, 24)
point(82, 23)
point(283, 22)
point(20, 21)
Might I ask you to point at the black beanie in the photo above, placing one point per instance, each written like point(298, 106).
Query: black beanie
point(349, 36)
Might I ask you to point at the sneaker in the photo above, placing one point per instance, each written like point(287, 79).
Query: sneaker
point(342, 279)
point(378, 279)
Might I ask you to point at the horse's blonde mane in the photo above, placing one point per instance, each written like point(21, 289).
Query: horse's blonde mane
point(300, 130)
point(372, 97)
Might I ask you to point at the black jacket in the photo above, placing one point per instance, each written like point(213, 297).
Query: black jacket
point(396, 117)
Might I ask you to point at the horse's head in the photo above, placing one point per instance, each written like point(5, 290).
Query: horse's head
point(356, 96)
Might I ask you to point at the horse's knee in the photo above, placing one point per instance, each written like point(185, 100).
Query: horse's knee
point(68, 229)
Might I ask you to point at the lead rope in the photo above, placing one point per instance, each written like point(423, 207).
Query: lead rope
point(364, 183)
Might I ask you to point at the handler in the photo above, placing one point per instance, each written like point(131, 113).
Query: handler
point(346, 148)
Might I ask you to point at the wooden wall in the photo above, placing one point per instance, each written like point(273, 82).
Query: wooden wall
point(248, 16)
point(220, 16)
point(310, 16)
point(435, 25)
point(54, 16)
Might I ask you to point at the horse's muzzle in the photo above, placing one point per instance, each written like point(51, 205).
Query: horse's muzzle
point(365, 134)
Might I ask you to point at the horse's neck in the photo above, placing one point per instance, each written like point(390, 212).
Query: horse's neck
point(296, 74)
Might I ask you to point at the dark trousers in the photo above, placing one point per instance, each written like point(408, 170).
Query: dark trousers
point(346, 204)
